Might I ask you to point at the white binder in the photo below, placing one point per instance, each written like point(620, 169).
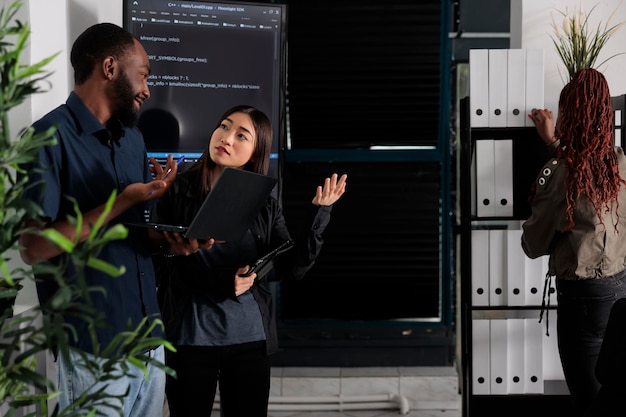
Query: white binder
point(515, 356)
point(552, 368)
point(534, 82)
point(480, 267)
point(516, 88)
point(497, 87)
point(533, 356)
point(497, 267)
point(485, 182)
point(551, 291)
point(534, 276)
point(618, 128)
point(515, 263)
point(498, 357)
point(479, 87)
point(480, 357)
point(503, 177)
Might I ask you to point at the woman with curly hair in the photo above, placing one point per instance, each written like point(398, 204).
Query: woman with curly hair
point(579, 219)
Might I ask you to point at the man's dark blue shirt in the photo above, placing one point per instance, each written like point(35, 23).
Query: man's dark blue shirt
point(88, 163)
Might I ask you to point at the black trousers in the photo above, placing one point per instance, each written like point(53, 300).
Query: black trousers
point(242, 372)
point(611, 366)
point(583, 313)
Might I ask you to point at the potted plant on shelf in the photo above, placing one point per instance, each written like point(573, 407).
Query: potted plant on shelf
point(577, 43)
point(25, 338)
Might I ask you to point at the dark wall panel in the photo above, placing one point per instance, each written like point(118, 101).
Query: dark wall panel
point(363, 73)
point(380, 259)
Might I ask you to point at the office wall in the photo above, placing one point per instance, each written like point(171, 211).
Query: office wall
point(531, 27)
point(54, 26)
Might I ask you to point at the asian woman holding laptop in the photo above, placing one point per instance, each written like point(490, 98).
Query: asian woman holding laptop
point(219, 318)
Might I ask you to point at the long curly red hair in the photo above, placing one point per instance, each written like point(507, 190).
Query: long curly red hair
point(585, 129)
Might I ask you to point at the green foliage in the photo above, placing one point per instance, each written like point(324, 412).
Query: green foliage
point(17, 82)
point(579, 45)
point(25, 337)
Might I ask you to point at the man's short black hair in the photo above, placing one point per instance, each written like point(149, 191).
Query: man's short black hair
point(96, 43)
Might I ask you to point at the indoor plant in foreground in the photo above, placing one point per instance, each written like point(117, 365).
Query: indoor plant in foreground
point(25, 391)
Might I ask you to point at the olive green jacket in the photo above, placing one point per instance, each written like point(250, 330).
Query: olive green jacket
point(589, 250)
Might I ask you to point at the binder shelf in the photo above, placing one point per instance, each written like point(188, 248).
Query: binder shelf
point(507, 356)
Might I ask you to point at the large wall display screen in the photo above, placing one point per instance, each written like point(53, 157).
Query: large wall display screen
point(206, 57)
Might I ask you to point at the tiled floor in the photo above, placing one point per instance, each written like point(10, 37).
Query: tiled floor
point(361, 413)
point(418, 392)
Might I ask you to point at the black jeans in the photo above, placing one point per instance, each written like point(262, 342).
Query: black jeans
point(611, 366)
point(582, 316)
point(243, 373)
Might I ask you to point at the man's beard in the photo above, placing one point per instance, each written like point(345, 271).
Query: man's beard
point(125, 101)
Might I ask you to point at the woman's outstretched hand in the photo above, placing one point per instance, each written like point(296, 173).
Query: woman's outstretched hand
point(329, 193)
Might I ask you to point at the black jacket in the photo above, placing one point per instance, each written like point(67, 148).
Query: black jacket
point(181, 276)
